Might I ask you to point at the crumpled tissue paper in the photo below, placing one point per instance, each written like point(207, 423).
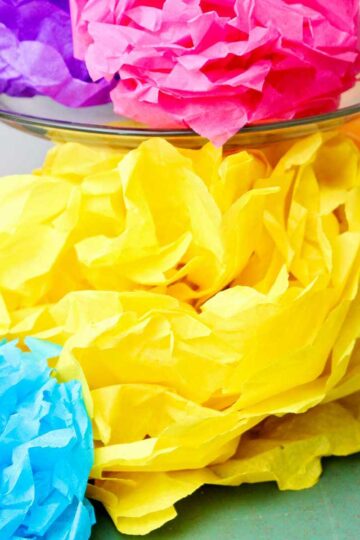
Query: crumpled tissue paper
point(216, 66)
point(36, 54)
point(46, 448)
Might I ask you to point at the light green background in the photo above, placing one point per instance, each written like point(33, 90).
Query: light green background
point(329, 511)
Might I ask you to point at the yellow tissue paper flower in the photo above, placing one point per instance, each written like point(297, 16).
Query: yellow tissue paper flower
point(208, 303)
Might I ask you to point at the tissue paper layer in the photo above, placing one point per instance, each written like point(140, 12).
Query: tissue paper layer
point(36, 54)
point(216, 66)
point(46, 449)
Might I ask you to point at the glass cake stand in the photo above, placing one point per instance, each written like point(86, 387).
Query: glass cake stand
point(100, 126)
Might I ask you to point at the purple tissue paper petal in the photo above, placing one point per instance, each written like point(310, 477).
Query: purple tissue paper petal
point(36, 54)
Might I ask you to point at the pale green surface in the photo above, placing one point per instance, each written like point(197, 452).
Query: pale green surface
point(329, 511)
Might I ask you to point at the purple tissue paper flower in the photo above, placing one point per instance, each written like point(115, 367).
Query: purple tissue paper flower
point(36, 54)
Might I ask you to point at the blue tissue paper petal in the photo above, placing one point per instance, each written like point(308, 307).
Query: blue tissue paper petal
point(46, 449)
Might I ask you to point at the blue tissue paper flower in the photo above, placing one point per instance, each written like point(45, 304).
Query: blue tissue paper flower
point(46, 449)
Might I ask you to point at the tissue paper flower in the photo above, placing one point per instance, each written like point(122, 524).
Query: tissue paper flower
point(215, 66)
point(196, 295)
point(46, 449)
point(36, 54)
point(108, 218)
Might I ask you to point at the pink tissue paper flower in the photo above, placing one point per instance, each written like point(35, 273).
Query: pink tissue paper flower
point(216, 65)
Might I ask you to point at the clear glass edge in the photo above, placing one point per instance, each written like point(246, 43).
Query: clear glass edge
point(47, 123)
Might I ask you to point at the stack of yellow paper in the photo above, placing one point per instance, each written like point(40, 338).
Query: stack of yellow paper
point(204, 301)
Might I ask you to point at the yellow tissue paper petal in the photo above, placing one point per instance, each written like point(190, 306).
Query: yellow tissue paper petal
point(5, 320)
point(175, 432)
point(74, 162)
point(287, 450)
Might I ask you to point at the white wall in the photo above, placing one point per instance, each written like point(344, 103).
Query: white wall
point(19, 152)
